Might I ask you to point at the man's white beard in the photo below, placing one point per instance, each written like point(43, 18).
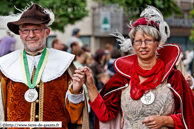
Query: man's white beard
point(39, 45)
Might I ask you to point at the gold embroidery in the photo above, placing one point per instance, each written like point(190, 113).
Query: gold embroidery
point(33, 104)
point(41, 96)
point(33, 111)
point(3, 99)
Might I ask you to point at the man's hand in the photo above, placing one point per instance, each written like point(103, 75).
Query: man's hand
point(78, 80)
point(189, 79)
point(92, 91)
point(156, 122)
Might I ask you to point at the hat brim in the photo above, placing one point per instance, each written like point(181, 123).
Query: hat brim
point(14, 26)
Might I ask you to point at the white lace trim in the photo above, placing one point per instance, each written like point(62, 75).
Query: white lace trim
point(56, 65)
point(75, 98)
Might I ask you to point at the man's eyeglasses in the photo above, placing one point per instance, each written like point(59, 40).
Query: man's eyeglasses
point(147, 42)
point(36, 31)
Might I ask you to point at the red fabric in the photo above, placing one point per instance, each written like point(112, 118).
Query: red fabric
point(178, 82)
point(53, 103)
point(108, 107)
point(168, 53)
point(155, 77)
point(144, 21)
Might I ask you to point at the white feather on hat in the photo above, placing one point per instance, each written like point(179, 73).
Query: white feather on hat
point(153, 14)
point(125, 43)
point(167, 29)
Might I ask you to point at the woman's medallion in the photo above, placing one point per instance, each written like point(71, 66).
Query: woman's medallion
point(148, 98)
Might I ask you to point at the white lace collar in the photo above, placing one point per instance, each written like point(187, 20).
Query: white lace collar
point(57, 64)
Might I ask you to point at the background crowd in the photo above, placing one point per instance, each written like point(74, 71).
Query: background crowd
point(100, 62)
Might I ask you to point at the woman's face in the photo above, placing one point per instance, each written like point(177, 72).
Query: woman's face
point(145, 51)
point(80, 58)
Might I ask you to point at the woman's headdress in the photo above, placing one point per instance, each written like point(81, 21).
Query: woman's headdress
point(151, 16)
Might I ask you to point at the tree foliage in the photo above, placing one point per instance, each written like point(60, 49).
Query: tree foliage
point(135, 7)
point(192, 30)
point(66, 11)
point(192, 36)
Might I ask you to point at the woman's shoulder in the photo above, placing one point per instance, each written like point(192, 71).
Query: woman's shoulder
point(177, 80)
point(175, 74)
point(123, 65)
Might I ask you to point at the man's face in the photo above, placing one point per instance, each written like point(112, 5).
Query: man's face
point(34, 40)
point(59, 45)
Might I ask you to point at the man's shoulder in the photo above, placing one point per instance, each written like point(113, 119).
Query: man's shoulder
point(10, 57)
point(10, 65)
point(58, 56)
point(58, 62)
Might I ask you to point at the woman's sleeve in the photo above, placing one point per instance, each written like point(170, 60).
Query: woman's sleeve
point(107, 105)
point(184, 101)
point(105, 110)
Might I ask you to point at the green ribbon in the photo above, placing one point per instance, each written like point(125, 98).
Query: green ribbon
point(30, 85)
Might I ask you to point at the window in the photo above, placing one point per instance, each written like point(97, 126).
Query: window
point(183, 42)
point(86, 40)
point(49, 41)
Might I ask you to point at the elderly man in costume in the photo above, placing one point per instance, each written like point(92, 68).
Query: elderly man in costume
point(147, 88)
point(36, 82)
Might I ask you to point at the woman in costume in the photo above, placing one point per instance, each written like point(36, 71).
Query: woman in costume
point(147, 89)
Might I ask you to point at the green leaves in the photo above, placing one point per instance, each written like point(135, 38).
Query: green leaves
point(66, 11)
point(135, 7)
point(192, 31)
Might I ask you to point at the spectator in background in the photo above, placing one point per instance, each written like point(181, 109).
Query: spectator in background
point(56, 44)
point(108, 50)
point(103, 78)
point(65, 47)
point(74, 46)
point(86, 48)
point(97, 65)
point(75, 38)
point(7, 44)
point(187, 61)
point(79, 57)
point(88, 59)
point(110, 68)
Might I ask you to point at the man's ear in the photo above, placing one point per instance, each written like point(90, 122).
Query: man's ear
point(48, 30)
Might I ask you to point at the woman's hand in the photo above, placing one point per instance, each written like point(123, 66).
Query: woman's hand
point(78, 80)
point(89, 78)
point(89, 82)
point(156, 122)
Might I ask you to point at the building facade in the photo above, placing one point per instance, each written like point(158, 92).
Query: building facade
point(103, 20)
